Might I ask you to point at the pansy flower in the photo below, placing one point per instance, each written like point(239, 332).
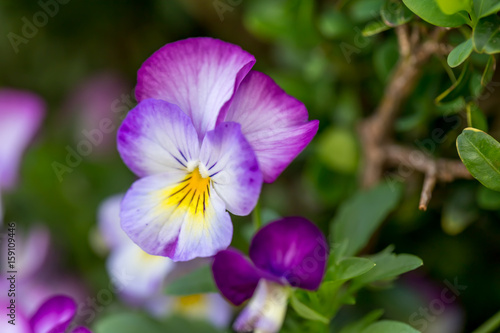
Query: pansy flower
point(140, 278)
point(54, 316)
point(291, 252)
point(21, 114)
point(206, 133)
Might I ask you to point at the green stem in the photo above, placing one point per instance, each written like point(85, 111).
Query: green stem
point(469, 115)
point(490, 324)
point(257, 217)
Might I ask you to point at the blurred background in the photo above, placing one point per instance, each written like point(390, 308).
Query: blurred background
point(83, 62)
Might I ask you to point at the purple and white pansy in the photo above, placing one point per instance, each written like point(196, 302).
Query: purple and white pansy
point(206, 133)
point(55, 315)
point(140, 278)
point(21, 115)
point(291, 252)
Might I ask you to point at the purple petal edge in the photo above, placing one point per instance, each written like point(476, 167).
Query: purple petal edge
point(293, 248)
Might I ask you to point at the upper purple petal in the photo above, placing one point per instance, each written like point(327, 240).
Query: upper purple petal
point(293, 248)
point(235, 276)
point(273, 122)
point(21, 115)
point(156, 137)
point(54, 316)
point(231, 164)
point(199, 75)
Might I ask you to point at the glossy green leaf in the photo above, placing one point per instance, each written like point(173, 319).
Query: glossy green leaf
point(338, 149)
point(484, 8)
point(476, 117)
point(199, 281)
point(374, 28)
point(460, 53)
point(429, 11)
point(362, 214)
point(489, 70)
point(348, 268)
point(128, 323)
point(388, 266)
point(486, 35)
point(361, 324)
point(450, 7)
point(481, 155)
point(389, 326)
point(306, 312)
point(395, 13)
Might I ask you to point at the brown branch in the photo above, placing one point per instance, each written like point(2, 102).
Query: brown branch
point(441, 169)
point(376, 131)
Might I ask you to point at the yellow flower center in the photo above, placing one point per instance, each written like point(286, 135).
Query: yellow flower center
point(193, 306)
point(191, 194)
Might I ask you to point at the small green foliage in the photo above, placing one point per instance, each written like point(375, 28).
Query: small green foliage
point(362, 214)
point(306, 312)
point(429, 11)
point(460, 53)
point(481, 155)
point(389, 326)
point(450, 7)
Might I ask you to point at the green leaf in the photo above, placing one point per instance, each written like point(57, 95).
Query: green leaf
point(348, 268)
point(361, 324)
point(460, 53)
point(429, 11)
point(388, 266)
point(389, 326)
point(481, 155)
point(450, 7)
point(395, 13)
point(374, 28)
point(476, 117)
point(489, 70)
point(199, 281)
point(488, 199)
point(128, 323)
point(486, 35)
point(362, 214)
point(306, 312)
point(484, 8)
point(338, 149)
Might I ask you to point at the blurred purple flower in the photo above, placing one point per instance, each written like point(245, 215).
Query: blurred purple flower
point(291, 252)
point(141, 278)
point(54, 316)
point(21, 115)
point(97, 101)
point(206, 133)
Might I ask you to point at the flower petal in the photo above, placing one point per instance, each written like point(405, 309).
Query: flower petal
point(230, 162)
point(145, 273)
point(273, 122)
point(157, 137)
point(177, 215)
point(266, 310)
point(108, 218)
point(235, 276)
point(199, 75)
point(293, 248)
point(54, 316)
point(21, 115)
